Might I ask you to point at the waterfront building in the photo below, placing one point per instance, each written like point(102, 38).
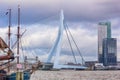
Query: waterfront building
point(104, 31)
point(109, 51)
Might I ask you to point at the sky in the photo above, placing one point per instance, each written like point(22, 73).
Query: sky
point(40, 19)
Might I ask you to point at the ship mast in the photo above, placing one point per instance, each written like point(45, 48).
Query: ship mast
point(18, 35)
point(9, 34)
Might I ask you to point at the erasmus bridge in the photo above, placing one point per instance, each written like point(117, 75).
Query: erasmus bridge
point(56, 48)
point(69, 49)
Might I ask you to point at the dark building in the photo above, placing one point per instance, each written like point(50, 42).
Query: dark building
point(109, 51)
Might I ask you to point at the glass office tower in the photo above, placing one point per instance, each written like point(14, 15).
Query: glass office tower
point(104, 31)
point(109, 51)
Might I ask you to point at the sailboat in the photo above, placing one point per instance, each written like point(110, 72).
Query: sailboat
point(18, 74)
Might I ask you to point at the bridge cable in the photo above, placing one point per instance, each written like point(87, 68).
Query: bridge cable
point(75, 44)
point(70, 44)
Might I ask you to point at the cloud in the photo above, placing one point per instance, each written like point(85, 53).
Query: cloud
point(78, 10)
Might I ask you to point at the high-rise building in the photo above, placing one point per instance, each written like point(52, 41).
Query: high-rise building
point(104, 31)
point(109, 51)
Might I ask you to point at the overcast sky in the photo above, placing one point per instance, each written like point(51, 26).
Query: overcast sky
point(82, 16)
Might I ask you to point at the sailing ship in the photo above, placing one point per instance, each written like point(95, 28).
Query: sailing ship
point(10, 56)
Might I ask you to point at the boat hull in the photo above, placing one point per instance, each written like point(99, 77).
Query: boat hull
point(16, 76)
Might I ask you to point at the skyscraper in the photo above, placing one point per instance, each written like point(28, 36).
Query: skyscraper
point(104, 31)
point(109, 51)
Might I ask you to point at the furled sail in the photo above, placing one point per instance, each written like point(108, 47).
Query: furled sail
point(3, 45)
point(5, 48)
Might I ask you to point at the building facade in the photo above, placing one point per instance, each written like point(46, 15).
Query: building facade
point(109, 51)
point(104, 31)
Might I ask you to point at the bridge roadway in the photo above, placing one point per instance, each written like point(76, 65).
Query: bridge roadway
point(63, 66)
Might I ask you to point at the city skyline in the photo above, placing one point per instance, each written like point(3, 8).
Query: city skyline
point(82, 21)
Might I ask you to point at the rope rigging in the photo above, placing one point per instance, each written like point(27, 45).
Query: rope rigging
point(48, 19)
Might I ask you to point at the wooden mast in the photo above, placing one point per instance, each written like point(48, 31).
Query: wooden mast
point(9, 34)
point(18, 35)
point(19, 75)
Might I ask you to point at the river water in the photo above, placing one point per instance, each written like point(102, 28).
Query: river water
point(75, 75)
